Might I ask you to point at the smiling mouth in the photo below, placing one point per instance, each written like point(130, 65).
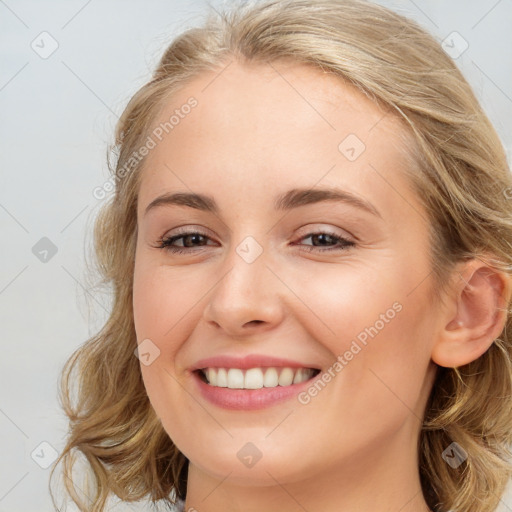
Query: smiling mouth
point(255, 378)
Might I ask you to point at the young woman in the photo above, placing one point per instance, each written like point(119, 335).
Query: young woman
point(309, 248)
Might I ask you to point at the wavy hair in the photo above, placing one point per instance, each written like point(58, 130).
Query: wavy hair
point(460, 174)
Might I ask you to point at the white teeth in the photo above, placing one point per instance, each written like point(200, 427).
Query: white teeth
point(235, 378)
point(271, 378)
point(253, 379)
point(222, 377)
point(286, 377)
point(256, 378)
point(211, 376)
point(299, 376)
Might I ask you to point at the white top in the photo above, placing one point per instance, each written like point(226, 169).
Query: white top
point(179, 506)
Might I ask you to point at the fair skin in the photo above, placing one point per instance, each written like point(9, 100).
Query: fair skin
point(254, 135)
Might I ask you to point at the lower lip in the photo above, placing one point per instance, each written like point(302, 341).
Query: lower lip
point(249, 399)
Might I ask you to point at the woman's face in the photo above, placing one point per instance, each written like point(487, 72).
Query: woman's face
point(273, 265)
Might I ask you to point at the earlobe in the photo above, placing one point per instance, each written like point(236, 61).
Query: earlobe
point(476, 314)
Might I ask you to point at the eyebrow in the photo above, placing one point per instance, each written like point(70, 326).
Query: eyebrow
point(291, 199)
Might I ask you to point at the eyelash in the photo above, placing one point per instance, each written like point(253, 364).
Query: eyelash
point(165, 243)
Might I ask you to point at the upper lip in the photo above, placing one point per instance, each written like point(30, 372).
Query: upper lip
point(249, 361)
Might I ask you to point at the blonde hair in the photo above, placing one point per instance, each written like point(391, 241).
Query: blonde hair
point(460, 175)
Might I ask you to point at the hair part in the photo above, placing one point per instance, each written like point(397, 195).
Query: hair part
point(458, 170)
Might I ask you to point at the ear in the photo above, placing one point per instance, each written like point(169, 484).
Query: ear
point(474, 314)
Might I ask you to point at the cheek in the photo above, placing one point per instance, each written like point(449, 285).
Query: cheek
point(161, 299)
point(165, 309)
point(158, 305)
point(347, 302)
point(379, 332)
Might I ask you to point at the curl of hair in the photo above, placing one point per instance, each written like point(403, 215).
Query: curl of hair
point(459, 171)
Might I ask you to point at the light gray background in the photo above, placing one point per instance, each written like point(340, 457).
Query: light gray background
point(57, 117)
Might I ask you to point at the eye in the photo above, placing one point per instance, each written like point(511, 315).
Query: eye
point(326, 237)
point(188, 239)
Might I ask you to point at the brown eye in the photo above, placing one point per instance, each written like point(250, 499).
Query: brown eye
point(190, 241)
point(326, 241)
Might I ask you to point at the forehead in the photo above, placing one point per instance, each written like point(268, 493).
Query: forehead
point(272, 122)
point(259, 93)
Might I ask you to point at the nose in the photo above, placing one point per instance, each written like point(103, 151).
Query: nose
point(248, 298)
